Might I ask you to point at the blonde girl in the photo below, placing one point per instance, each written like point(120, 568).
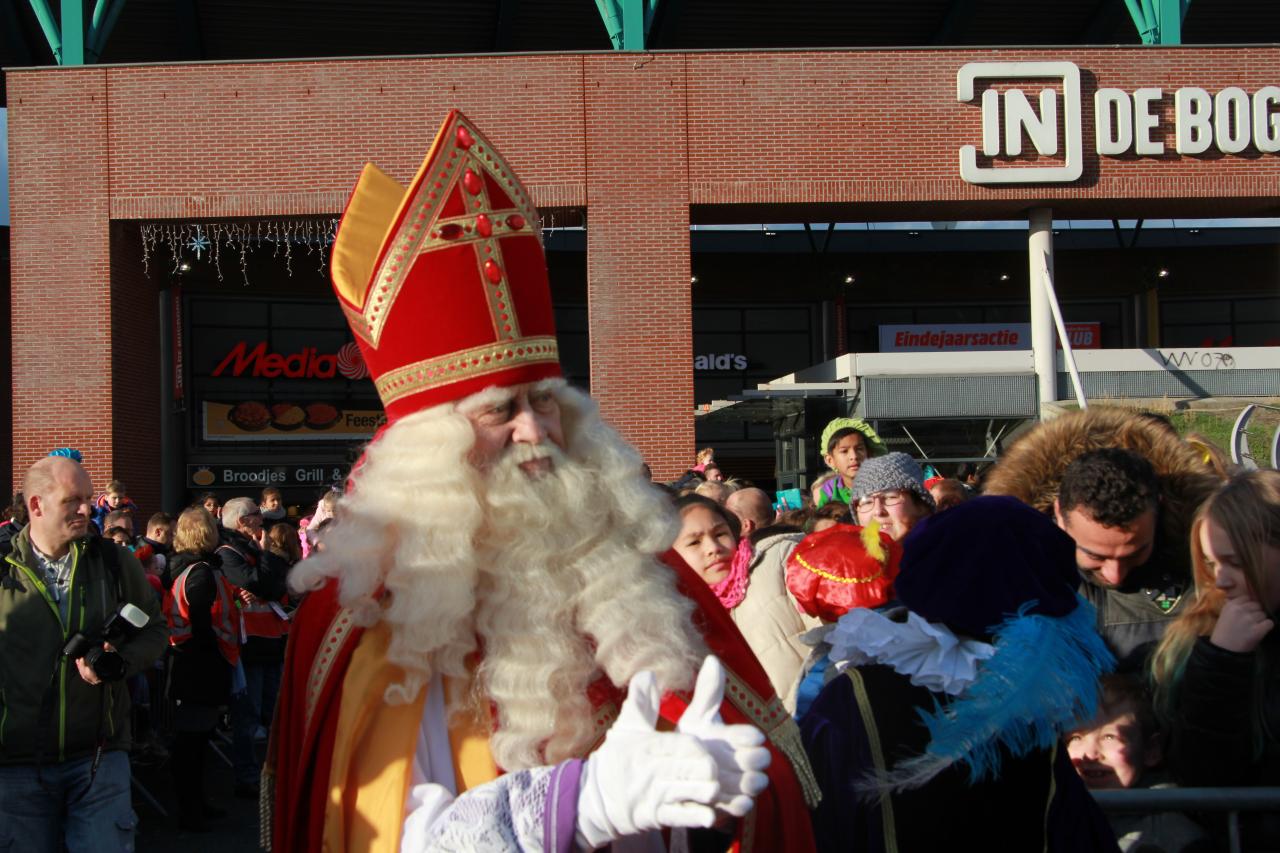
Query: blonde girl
point(1216, 668)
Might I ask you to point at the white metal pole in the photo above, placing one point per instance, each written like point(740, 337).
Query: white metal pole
point(1040, 258)
point(1068, 355)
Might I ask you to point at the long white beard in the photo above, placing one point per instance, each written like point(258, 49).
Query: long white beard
point(551, 561)
point(553, 578)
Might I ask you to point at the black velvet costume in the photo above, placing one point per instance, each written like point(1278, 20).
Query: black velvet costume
point(870, 716)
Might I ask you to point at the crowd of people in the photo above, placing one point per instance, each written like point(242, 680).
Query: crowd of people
point(212, 581)
point(877, 611)
point(503, 635)
point(1172, 553)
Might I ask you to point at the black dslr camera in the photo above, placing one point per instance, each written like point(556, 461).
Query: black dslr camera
point(119, 627)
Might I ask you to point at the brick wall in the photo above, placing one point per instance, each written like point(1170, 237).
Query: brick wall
point(638, 292)
point(636, 138)
point(6, 357)
point(880, 127)
point(62, 342)
point(135, 372)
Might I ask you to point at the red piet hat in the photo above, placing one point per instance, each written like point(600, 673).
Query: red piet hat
point(445, 283)
point(835, 570)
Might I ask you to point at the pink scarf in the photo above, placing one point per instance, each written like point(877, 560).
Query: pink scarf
point(733, 588)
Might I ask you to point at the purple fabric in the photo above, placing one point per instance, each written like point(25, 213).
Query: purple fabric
point(560, 822)
point(1024, 809)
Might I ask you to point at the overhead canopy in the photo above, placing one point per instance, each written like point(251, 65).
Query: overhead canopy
point(187, 30)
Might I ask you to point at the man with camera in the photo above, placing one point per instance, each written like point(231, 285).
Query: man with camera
point(77, 616)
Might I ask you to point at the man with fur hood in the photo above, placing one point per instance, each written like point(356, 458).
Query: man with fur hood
point(1131, 489)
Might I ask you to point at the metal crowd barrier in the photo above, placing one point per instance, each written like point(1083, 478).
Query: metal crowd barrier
point(1233, 801)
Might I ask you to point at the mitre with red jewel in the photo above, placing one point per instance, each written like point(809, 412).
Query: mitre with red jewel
point(444, 282)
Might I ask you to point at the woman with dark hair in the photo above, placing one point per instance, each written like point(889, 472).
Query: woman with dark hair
point(204, 633)
point(210, 503)
point(749, 578)
point(708, 541)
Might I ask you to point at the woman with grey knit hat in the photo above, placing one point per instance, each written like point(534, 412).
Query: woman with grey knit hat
point(889, 490)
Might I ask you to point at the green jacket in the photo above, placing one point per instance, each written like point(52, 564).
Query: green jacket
point(80, 715)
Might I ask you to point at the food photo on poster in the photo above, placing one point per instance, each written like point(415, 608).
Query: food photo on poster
point(254, 420)
point(278, 371)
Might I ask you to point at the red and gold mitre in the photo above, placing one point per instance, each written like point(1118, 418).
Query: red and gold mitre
point(445, 283)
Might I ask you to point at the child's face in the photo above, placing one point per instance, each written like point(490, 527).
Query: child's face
point(1229, 573)
point(114, 499)
point(846, 456)
point(270, 503)
point(1113, 753)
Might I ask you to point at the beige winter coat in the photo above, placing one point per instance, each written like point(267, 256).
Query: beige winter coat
point(768, 616)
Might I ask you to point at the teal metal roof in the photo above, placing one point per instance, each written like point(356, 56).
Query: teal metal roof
point(134, 31)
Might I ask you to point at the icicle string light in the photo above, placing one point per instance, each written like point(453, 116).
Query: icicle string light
point(204, 242)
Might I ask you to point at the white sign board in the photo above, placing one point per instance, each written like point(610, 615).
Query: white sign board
point(1229, 120)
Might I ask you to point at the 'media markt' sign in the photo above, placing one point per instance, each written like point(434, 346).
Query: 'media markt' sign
point(1228, 121)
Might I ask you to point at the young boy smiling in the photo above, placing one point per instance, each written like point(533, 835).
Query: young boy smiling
point(1123, 748)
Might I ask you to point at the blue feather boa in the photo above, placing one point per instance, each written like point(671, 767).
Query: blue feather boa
point(1041, 681)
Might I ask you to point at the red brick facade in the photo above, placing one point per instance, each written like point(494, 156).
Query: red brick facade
point(635, 138)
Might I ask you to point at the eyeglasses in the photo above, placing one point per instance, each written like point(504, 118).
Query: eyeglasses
point(887, 499)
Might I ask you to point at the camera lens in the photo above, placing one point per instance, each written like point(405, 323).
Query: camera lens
point(108, 666)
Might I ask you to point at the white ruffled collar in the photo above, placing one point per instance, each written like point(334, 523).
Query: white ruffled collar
point(927, 653)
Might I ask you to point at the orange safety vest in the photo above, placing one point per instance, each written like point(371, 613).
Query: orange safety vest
point(263, 620)
point(225, 615)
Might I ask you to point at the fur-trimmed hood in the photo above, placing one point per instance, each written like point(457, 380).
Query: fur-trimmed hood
point(1031, 469)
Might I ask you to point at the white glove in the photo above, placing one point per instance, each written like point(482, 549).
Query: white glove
point(641, 779)
point(739, 750)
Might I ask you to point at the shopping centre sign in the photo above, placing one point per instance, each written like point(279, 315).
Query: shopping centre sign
point(1228, 121)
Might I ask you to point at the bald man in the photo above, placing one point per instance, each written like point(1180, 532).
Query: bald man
point(752, 507)
point(64, 757)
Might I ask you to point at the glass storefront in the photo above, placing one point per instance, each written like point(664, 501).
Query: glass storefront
point(277, 394)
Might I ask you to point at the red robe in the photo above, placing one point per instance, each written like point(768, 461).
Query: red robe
point(323, 638)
